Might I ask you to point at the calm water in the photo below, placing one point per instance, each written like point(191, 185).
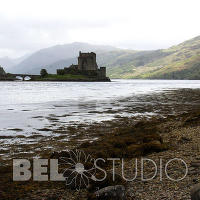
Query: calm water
point(30, 106)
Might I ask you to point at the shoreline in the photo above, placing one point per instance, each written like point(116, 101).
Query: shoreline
point(75, 80)
point(178, 134)
point(175, 135)
point(57, 131)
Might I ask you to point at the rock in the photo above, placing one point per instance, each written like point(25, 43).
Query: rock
point(108, 181)
point(195, 164)
point(195, 180)
point(195, 192)
point(116, 192)
point(186, 139)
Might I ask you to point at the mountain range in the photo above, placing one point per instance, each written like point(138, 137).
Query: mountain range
point(58, 56)
point(177, 62)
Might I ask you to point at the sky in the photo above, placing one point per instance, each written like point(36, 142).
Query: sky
point(29, 25)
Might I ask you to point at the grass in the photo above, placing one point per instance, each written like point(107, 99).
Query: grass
point(52, 77)
point(70, 77)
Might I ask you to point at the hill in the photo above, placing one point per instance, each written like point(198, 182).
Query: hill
point(118, 61)
point(7, 62)
point(10, 63)
point(50, 58)
point(178, 62)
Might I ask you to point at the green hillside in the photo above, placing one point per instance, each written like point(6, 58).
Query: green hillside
point(178, 62)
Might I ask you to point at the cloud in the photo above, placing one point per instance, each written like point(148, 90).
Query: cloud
point(27, 26)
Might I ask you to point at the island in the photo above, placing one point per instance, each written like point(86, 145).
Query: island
point(86, 70)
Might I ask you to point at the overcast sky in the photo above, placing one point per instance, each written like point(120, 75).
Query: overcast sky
point(29, 25)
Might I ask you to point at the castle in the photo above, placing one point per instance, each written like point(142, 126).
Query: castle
point(87, 65)
point(2, 72)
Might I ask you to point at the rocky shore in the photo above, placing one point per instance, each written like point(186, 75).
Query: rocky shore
point(183, 138)
point(173, 138)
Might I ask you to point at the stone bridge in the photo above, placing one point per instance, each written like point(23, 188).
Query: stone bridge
point(23, 76)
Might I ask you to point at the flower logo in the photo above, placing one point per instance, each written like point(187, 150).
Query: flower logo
point(78, 169)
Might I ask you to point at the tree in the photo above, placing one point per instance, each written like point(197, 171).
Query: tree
point(43, 73)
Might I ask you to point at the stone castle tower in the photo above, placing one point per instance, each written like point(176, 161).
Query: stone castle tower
point(87, 66)
point(87, 61)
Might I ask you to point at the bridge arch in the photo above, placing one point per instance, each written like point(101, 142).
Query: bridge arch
point(26, 77)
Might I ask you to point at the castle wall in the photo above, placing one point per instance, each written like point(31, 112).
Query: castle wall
point(87, 61)
point(86, 66)
point(102, 72)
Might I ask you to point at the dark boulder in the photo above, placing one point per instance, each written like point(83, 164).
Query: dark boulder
point(116, 192)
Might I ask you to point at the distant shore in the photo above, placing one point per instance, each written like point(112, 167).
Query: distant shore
point(59, 78)
point(73, 80)
point(7, 79)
